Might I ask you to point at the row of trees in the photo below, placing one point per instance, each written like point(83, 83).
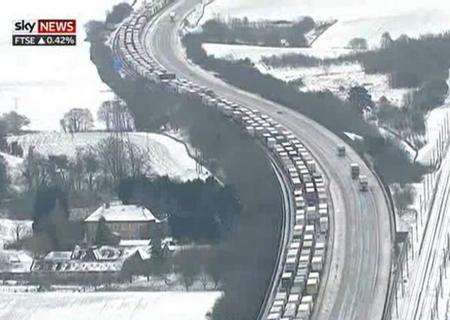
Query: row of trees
point(52, 229)
point(4, 179)
point(406, 121)
point(113, 113)
point(266, 33)
point(10, 123)
point(102, 166)
point(202, 265)
point(196, 210)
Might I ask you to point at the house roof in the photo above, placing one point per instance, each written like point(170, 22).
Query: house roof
point(106, 253)
point(135, 243)
point(118, 213)
point(58, 255)
point(80, 266)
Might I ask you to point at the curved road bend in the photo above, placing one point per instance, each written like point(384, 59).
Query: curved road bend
point(361, 251)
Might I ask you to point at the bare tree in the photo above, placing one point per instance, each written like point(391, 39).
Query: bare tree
point(19, 231)
point(214, 268)
point(116, 116)
point(113, 157)
point(4, 178)
point(37, 171)
point(136, 158)
point(105, 114)
point(188, 267)
point(204, 278)
point(91, 166)
point(77, 120)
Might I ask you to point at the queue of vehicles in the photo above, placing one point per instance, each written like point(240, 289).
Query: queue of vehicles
point(304, 257)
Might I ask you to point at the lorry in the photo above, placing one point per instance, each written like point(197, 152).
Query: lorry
point(172, 16)
point(354, 169)
point(341, 151)
point(363, 183)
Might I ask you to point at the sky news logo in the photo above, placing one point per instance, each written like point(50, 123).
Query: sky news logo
point(49, 32)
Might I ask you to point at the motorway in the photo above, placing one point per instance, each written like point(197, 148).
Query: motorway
point(361, 249)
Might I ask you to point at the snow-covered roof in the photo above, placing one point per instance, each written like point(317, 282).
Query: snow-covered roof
point(106, 253)
point(144, 252)
point(80, 266)
point(135, 243)
point(58, 255)
point(118, 213)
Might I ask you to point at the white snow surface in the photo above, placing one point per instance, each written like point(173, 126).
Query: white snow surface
point(165, 155)
point(107, 305)
point(336, 77)
point(255, 53)
point(434, 124)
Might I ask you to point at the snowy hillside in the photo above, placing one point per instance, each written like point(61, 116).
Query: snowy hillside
point(107, 305)
point(166, 156)
point(413, 24)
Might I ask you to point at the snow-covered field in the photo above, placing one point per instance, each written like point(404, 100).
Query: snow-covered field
point(107, 305)
point(44, 83)
point(333, 77)
point(165, 155)
point(412, 23)
point(345, 76)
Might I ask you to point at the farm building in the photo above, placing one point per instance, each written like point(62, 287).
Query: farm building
point(87, 265)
